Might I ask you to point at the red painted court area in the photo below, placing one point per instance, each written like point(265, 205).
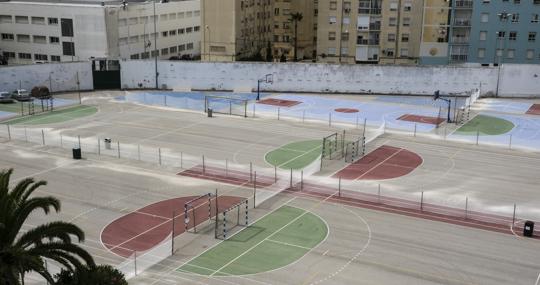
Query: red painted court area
point(147, 227)
point(534, 109)
point(279, 102)
point(228, 176)
point(386, 162)
point(417, 209)
point(347, 110)
point(421, 119)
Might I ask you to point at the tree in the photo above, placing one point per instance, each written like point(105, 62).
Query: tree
point(296, 17)
point(22, 252)
point(97, 275)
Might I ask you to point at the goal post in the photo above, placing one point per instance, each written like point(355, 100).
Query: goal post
point(231, 218)
point(197, 211)
point(226, 105)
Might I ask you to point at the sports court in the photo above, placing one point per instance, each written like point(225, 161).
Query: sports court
point(296, 155)
point(442, 222)
point(421, 119)
point(385, 162)
point(278, 102)
point(534, 110)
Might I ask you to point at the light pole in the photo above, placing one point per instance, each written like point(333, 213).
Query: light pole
point(155, 46)
point(503, 17)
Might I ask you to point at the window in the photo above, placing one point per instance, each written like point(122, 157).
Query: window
point(484, 17)
point(133, 21)
point(155, 53)
point(40, 57)
point(510, 53)
point(189, 46)
point(21, 20)
point(68, 48)
point(181, 31)
point(333, 5)
point(172, 16)
point(181, 47)
point(332, 51)
point(163, 17)
point(392, 21)
point(7, 37)
point(6, 19)
point(172, 33)
point(404, 52)
point(181, 15)
point(134, 56)
point(53, 21)
point(391, 37)
point(501, 34)
point(515, 18)
point(67, 27)
point(404, 38)
point(25, 55)
point(483, 35)
point(332, 20)
point(173, 49)
point(23, 38)
point(331, 36)
point(499, 52)
point(55, 58)
point(534, 18)
point(407, 7)
point(189, 30)
point(54, 40)
point(197, 13)
point(9, 54)
point(390, 52)
point(406, 22)
point(344, 51)
point(393, 6)
point(346, 20)
point(165, 51)
point(145, 55)
point(481, 52)
point(196, 28)
point(189, 14)
point(40, 39)
point(532, 36)
point(165, 34)
point(345, 37)
point(530, 54)
point(512, 36)
point(38, 20)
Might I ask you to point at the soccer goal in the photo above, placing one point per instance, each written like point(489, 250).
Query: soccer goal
point(232, 218)
point(197, 211)
point(226, 105)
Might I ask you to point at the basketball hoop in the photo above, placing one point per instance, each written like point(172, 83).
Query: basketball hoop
point(268, 78)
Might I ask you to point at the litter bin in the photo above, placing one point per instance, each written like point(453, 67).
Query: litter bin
point(107, 142)
point(528, 229)
point(210, 112)
point(77, 153)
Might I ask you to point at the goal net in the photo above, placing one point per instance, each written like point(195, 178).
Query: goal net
point(232, 218)
point(226, 105)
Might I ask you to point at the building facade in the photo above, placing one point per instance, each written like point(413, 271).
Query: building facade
point(236, 29)
point(70, 31)
point(435, 32)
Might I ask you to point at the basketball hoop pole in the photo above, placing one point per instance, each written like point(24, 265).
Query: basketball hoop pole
point(449, 101)
point(265, 79)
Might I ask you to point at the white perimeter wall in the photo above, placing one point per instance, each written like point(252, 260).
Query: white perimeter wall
point(520, 80)
point(63, 76)
point(310, 77)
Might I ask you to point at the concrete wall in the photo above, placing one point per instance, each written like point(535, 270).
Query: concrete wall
point(520, 80)
point(310, 77)
point(58, 77)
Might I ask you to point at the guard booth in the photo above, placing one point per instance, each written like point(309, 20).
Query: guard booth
point(106, 73)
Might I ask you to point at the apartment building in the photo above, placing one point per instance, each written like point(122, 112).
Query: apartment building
point(504, 32)
point(435, 32)
point(236, 29)
point(54, 31)
point(284, 32)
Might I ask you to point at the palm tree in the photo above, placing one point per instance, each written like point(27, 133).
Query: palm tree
point(22, 252)
point(296, 17)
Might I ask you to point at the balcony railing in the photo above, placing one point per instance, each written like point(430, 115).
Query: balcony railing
point(367, 42)
point(462, 22)
point(460, 40)
point(375, 26)
point(458, 57)
point(464, 4)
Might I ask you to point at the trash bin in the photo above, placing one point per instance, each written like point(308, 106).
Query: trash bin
point(107, 142)
point(210, 112)
point(528, 229)
point(77, 153)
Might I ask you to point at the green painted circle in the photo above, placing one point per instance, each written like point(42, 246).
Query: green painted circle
point(296, 155)
point(273, 242)
point(486, 125)
point(57, 116)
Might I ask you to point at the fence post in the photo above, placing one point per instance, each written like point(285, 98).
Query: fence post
point(275, 174)
point(379, 194)
point(42, 136)
point(303, 116)
point(339, 187)
point(217, 214)
point(79, 140)
point(254, 191)
point(291, 180)
point(25, 134)
point(172, 235)
point(422, 201)
point(356, 121)
point(278, 109)
point(165, 100)
point(301, 180)
point(510, 142)
point(250, 172)
point(159, 154)
point(181, 160)
point(118, 143)
point(514, 215)
point(414, 129)
point(139, 152)
point(477, 136)
point(253, 110)
point(135, 262)
point(61, 141)
point(226, 167)
point(203, 166)
point(466, 207)
point(330, 119)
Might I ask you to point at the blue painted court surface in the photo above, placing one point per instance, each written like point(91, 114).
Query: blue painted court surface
point(502, 105)
point(422, 101)
point(6, 115)
point(525, 134)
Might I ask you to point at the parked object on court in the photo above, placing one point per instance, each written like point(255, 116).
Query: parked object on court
point(107, 142)
point(77, 153)
point(5, 97)
point(21, 95)
point(41, 92)
point(210, 112)
point(528, 229)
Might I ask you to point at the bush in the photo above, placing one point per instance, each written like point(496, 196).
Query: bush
point(97, 275)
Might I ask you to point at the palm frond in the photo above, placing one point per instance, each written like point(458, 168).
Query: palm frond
point(51, 231)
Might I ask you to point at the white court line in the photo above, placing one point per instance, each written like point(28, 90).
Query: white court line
point(296, 157)
point(44, 171)
point(268, 237)
point(379, 164)
point(227, 274)
point(537, 279)
point(288, 244)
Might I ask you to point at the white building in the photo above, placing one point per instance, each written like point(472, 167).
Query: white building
point(73, 30)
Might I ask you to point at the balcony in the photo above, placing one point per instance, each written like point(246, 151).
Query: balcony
point(375, 26)
point(369, 11)
point(462, 22)
point(363, 42)
point(458, 57)
point(463, 4)
point(460, 40)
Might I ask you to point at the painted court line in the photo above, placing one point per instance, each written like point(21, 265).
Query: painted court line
point(296, 157)
point(288, 244)
point(379, 164)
